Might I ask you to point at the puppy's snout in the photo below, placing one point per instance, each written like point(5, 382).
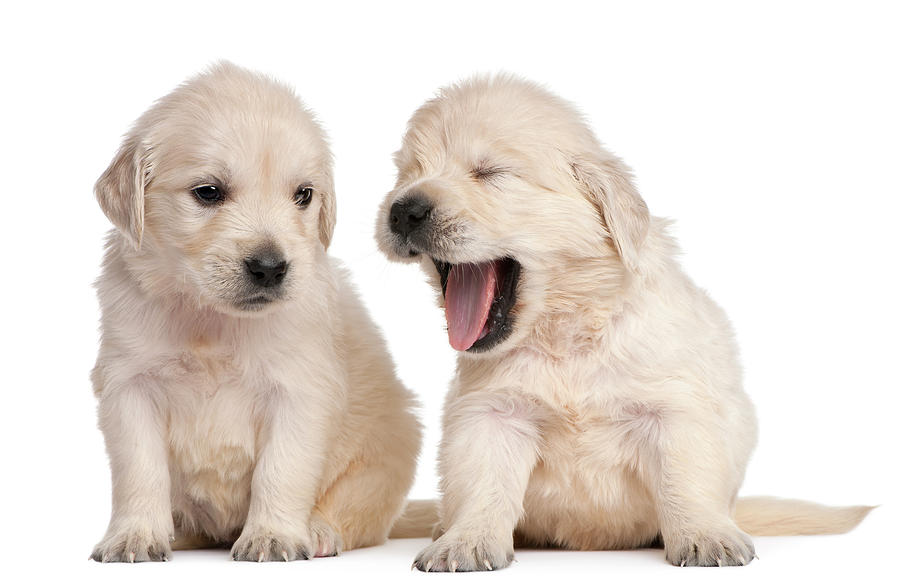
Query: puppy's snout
point(266, 267)
point(409, 213)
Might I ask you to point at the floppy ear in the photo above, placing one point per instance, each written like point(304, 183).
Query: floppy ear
point(120, 190)
point(327, 214)
point(606, 182)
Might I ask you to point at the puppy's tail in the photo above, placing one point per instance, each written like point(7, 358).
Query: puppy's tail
point(417, 520)
point(758, 516)
point(765, 516)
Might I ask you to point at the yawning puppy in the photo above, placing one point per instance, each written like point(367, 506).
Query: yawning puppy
point(244, 394)
point(598, 400)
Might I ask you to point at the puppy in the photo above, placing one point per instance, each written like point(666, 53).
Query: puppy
point(598, 400)
point(245, 396)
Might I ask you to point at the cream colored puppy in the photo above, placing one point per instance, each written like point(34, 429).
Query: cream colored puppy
point(598, 400)
point(244, 394)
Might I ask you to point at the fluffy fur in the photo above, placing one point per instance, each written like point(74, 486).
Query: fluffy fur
point(612, 415)
point(278, 427)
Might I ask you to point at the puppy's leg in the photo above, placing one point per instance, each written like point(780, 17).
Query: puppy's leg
point(287, 474)
point(489, 448)
point(141, 525)
point(358, 509)
point(697, 478)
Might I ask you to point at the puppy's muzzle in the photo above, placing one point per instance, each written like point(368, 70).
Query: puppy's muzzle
point(409, 214)
point(266, 268)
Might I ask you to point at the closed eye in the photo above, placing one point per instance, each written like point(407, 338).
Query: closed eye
point(485, 173)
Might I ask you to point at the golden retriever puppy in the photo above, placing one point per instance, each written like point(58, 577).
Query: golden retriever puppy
point(598, 400)
point(245, 396)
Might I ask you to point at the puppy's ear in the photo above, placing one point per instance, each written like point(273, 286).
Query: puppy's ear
point(120, 190)
point(606, 182)
point(327, 213)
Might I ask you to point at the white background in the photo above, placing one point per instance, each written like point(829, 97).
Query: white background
point(769, 132)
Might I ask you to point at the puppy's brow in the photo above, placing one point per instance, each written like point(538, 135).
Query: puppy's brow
point(210, 180)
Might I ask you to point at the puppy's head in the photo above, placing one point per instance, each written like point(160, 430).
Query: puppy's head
point(223, 191)
point(513, 207)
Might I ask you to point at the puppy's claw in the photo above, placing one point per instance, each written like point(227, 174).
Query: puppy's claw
point(131, 556)
point(741, 560)
point(683, 561)
point(487, 565)
point(284, 555)
point(428, 565)
point(262, 556)
point(719, 561)
point(453, 566)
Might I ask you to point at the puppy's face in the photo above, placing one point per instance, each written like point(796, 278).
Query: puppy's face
point(225, 187)
point(509, 202)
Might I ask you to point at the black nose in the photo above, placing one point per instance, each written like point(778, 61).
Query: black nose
point(409, 213)
point(266, 268)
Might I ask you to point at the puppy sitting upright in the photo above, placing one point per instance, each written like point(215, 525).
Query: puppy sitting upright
point(244, 394)
point(598, 400)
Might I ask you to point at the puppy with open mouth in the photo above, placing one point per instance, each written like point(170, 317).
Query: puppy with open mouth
point(245, 396)
point(598, 401)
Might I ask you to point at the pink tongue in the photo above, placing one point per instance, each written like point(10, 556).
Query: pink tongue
point(468, 298)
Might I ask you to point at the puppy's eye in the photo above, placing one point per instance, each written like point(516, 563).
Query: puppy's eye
point(486, 174)
point(303, 195)
point(208, 193)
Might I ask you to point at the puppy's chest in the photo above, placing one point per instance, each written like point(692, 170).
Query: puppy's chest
point(599, 438)
point(591, 433)
point(213, 414)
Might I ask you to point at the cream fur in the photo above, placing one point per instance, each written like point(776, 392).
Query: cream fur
point(613, 416)
point(282, 431)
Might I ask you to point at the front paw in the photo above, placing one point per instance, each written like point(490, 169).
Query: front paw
point(265, 545)
point(465, 552)
point(718, 547)
point(132, 545)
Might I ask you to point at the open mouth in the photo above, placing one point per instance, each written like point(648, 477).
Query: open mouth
point(477, 300)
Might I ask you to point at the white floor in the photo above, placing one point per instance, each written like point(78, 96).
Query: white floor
point(861, 557)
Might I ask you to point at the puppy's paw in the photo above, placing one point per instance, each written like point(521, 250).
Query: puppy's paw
point(465, 552)
point(133, 545)
point(711, 548)
point(326, 541)
point(260, 545)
